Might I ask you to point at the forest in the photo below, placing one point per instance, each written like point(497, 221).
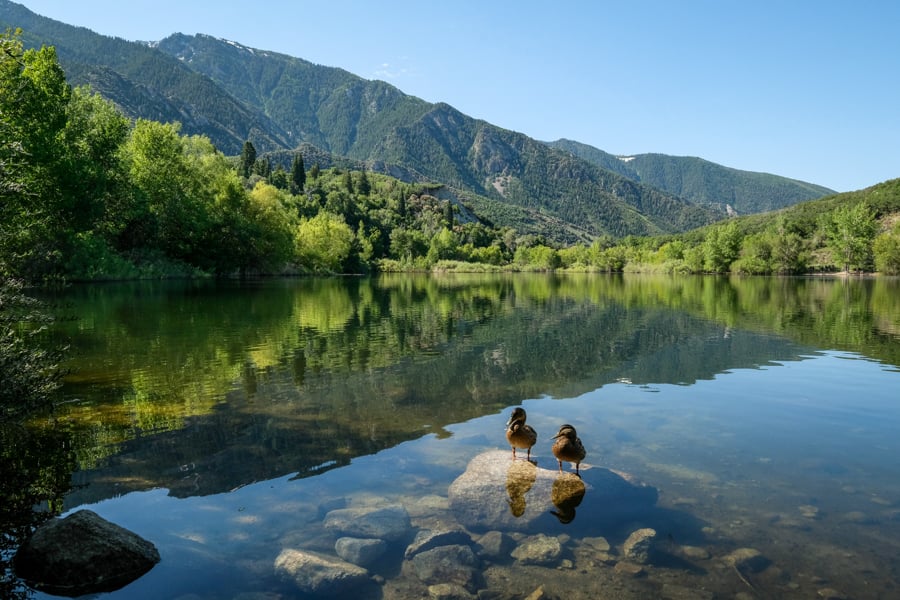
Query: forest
point(88, 194)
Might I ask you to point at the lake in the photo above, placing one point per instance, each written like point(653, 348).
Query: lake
point(751, 423)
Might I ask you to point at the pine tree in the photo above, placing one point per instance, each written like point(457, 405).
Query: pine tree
point(298, 174)
point(248, 159)
point(364, 186)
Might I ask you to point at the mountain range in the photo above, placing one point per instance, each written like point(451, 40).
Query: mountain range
point(564, 190)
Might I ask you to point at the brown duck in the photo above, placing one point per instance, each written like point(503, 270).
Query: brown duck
point(518, 434)
point(568, 447)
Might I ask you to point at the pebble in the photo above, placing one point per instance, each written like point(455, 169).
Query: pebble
point(627, 569)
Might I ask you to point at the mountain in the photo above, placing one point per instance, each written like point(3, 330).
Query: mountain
point(701, 181)
point(231, 93)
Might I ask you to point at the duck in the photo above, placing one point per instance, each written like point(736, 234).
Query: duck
point(568, 447)
point(519, 434)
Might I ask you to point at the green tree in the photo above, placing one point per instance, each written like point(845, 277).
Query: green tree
point(364, 187)
point(34, 96)
point(323, 243)
point(298, 174)
point(850, 231)
point(887, 251)
point(443, 246)
point(248, 159)
point(721, 247)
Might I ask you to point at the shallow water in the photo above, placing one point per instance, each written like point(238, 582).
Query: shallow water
point(223, 421)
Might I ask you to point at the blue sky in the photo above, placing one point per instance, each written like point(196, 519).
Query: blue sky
point(804, 89)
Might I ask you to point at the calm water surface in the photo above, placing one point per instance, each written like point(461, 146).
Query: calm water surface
point(222, 421)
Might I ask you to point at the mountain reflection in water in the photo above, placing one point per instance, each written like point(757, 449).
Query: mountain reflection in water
point(361, 386)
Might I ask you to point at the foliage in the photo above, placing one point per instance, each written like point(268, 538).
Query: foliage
point(323, 243)
point(851, 231)
point(36, 463)
point(886, 249)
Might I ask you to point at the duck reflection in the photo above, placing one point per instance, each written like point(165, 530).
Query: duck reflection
point(520, 476)
point(566, 494)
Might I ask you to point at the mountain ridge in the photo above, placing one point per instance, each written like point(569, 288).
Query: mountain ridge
point(232, 92)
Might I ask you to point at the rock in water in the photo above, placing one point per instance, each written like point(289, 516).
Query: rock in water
point(389, 523)
point(496, 492)
point(317, 574)
point(83, 554)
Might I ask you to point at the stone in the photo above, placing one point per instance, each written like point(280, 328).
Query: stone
point(746, 559)
point(597, 543)
point(389, 523)
point(495, 545)
point(317, 574)
point(83, 554)
point(638, 546)
point(359, 551)
point(538, 550)
point(694, 552)
point(455, 564)
point(495, 492)
point(831, 594)
point(449, 591)
point(427, 539)
point(537, 594)
point(627, 569)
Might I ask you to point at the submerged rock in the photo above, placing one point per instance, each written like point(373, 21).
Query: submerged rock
point(496, 492)
point(317, 574)
point(454, 564)
point(358, 551)
point(747, 559)
point(638, 546)
point(390, 523)
point(538, 550)
point(432, 538)
point(83, 554)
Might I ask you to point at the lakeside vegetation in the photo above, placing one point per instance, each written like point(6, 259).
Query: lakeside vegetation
point(89, 195)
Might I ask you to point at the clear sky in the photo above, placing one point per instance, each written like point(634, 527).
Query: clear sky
point(807, 89)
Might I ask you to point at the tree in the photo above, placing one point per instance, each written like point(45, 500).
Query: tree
point(850, 231)
point(887, 251)
point(298, 174)
point(364, 187)
point(721, 247)
point(248, 159)
point(33, 100)
point(323, 243)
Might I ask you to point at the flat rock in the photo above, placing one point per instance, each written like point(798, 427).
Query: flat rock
point(496, 492)
point(83, 554)
point(538, 550)
point(317, 574)
point(389, 523)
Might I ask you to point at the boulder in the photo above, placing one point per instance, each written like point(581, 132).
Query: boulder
point(83, 554)
point(496, 492)
point(317, 574)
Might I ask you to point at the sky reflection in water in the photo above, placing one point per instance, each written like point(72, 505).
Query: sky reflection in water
point(795, 457)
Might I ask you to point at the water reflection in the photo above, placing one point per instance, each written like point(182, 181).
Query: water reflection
point(251, 382)
point(255, 405)
point(520, 477)
point(566, 494)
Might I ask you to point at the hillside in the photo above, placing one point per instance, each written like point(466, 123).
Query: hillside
point(232, 93)
point(701, 181)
